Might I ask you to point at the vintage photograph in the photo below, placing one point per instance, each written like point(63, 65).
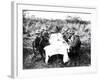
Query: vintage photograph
point(54, 39)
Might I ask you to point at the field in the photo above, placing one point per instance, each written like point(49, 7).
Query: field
point(81, 28)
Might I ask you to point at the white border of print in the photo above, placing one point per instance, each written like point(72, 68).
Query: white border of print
point(17, 47)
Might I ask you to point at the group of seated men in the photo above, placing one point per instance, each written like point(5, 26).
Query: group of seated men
point(42, 40)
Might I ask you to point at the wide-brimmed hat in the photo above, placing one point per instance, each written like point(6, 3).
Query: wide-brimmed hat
point(71, 31)
point(37, 32)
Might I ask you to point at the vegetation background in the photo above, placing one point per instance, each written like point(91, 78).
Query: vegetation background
point(33, 24)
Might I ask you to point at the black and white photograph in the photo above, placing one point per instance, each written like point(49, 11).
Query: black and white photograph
point(56, 39)
point(50, 40)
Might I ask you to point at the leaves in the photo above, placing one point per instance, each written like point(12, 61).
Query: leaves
point(32, 25)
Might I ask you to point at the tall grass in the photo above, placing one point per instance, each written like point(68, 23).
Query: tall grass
point(79, 26)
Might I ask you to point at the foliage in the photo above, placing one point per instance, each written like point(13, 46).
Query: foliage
point(79, 26)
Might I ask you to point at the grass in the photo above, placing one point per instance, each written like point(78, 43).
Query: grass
point(36, 62)
point(81, 28)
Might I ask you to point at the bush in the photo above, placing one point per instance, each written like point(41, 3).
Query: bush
point(79, 26)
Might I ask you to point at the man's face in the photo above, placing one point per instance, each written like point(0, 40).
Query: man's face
point(68, 35)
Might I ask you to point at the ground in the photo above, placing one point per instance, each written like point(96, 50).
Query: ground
point(81, 28)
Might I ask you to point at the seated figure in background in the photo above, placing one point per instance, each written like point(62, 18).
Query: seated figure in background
point(74, 42)
point(40, 42)
point(75, 47)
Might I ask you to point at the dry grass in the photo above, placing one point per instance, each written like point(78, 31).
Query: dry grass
point(81, 28)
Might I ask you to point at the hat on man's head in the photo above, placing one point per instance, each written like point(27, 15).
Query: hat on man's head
point(71, 31)
point(37, 32)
